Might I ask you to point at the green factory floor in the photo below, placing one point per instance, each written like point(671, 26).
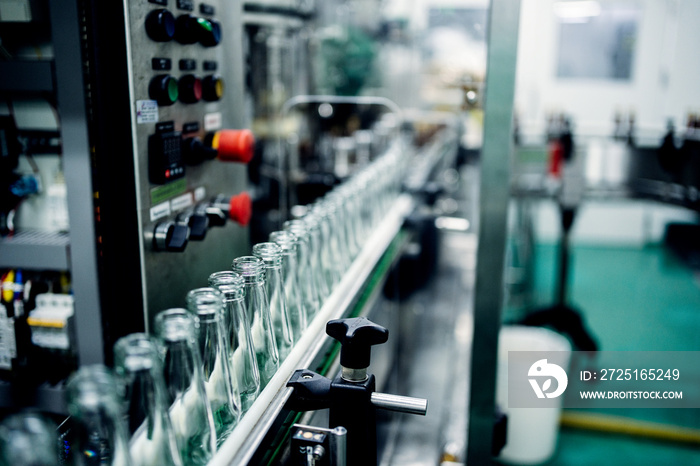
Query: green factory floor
point(633, 299)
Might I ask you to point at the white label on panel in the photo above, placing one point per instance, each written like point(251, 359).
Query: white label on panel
point(212, 121)
point(181, 202)
point(159, 211)
point(200, 193)
point(146, 111)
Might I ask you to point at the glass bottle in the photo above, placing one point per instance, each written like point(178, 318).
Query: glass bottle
point(271, 255)
point(292, 291)
point(307, 276)
point(344, 198)
point(333, 262)
point(336, 210)
point(316, 253)
point(99, 434)
point(208, 305)
point(28, 439)
point(257, 308)
point(140, 372)
point(241, 351)
point(190, 413)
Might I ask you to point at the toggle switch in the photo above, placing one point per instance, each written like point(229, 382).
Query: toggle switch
point(170, 236)
point(194, 151)
point(198, 223)
point(215, 215)
point(234, 145)
point(160, 25)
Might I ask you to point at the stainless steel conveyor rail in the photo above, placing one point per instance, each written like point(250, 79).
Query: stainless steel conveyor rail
point(247, 437)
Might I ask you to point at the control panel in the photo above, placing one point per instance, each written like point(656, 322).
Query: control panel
point(191, 144)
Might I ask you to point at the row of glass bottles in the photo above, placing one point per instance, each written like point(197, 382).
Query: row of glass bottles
point(175, 395)
point(335, 227)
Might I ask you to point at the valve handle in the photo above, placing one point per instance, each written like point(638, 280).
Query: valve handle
point(356, 336)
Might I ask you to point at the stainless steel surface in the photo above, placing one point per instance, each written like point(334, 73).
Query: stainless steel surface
point(168, 276)
point(241, 445)
point(353, 375)
point(339, 442)
point(495, 162)
point(402, 404)
point(160, 235)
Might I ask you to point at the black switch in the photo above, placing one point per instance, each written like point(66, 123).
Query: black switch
point(198, 224)
point(194, 151)
point(170, 236)
point(215, 215)
point(186, 29)
point(165, 162)
point(160, 25)
point(210, 35)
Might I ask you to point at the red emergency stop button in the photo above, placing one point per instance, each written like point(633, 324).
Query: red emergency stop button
point(241, 208)
point(234, 145)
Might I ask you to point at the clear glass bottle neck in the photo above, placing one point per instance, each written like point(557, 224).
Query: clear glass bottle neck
point(206, 303)
point(252, 270)
point(270, 254)
point(230, 284)
point(137, 352)
point(175, 325)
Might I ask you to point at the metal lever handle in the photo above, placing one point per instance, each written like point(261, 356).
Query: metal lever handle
point(402, 404)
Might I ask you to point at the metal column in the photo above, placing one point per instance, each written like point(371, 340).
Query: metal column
point(77, 168)
point(504, 18)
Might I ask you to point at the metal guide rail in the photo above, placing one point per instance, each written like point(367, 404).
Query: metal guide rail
point(243, 442)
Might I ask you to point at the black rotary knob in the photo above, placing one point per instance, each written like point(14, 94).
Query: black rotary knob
point(197, 222)
point(170, 236)
point(190, 89)
point(209, 32)
point(160, 25)
point(216, 215)
point(212, 88)
point(195, 151)
point(163, 88)
point(186, 29)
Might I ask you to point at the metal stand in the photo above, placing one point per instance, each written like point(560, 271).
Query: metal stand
point(351, 396)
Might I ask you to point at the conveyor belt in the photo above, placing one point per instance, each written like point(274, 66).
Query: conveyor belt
point(243, 442)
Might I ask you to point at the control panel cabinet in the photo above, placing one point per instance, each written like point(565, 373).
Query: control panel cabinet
point(185, 70)
point(170, 151)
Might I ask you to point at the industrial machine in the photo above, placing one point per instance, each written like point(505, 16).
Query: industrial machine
point(155, 102)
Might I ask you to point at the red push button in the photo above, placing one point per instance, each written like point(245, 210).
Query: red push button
point(241, 208)
point(234, 145)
